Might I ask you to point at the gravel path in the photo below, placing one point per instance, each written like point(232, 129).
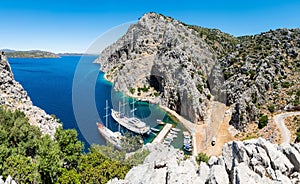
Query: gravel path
point(279, 121)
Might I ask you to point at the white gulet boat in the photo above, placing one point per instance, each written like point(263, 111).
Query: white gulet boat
point(110, 136)
point(131, 123)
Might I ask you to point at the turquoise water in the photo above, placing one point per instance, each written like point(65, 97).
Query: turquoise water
point(49, 85)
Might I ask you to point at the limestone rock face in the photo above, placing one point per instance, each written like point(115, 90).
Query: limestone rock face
point(259, 72)
point(162, 53)
point(14, 97)
point(184, 65)
point(251, 161)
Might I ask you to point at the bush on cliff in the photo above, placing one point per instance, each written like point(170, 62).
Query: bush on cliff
point(30, 157)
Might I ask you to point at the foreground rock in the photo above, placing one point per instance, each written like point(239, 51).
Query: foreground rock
point(8, 180)
point(252, 161)
point(14, 97)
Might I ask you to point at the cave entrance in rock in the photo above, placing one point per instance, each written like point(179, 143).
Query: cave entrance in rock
point(157, 82)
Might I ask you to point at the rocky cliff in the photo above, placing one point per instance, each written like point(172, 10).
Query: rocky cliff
point(14, 97)
point(252, 161)
point(262, 74)
point(161, 59)
point(182, 67)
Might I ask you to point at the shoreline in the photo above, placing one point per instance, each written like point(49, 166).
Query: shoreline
point(186, 123)
point(180, 119)
point(105, 77)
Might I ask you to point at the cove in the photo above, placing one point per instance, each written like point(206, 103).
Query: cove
point(49, 81)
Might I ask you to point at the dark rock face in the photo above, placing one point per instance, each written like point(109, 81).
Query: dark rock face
point(14, 97)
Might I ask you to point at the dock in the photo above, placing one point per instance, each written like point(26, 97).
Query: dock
point(162, 134)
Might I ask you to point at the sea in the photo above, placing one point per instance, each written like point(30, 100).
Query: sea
point(75, 91)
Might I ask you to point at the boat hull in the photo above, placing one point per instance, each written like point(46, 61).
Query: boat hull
point(124, 122)
point(110, 136)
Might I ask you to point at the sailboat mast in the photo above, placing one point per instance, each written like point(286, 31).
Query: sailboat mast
point(106, 114)
point(124, 105)
point(120, 115)
point(133, 108)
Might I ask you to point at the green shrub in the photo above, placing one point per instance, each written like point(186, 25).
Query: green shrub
point(271, 108)
point(296, 101)
point(132, 90)
point(285, 84)
point(202, 157)
point(298, 93)
point(30, 157)
point(208, 96)
point(298, 135)
point(199, 87)
point(263, 121)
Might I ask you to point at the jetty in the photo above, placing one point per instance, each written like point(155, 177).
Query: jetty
point(162, 134)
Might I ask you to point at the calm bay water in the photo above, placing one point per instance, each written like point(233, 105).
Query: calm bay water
point(49, 85)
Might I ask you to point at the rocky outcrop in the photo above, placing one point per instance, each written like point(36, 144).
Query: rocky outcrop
point(14, 97)
point(261, 72)
point(167, 57)
point(251, 161)
point(8, 180)
point(181, 66)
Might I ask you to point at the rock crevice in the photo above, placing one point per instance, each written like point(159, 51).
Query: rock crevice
point(251, 161)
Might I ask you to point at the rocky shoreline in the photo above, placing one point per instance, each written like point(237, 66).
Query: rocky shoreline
point(14, 97)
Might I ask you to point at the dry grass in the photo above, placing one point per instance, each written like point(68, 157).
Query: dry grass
point(293, 124)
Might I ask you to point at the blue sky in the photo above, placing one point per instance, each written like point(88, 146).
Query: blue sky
point(72, 25)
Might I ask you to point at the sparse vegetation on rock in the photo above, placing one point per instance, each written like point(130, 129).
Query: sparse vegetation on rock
point(178, 61)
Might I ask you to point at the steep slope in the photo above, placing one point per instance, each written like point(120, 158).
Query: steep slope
point(262, 74)
point(161, 59)
point(182, 66)
point(14, 97)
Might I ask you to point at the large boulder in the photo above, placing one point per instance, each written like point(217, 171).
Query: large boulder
point(251, 161)
point(292, 154)
point(218, 175)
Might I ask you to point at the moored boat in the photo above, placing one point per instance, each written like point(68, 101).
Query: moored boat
point(155, 129)
point(131, 123)
point(176, 129)
point(160, 122)
point(112, 137)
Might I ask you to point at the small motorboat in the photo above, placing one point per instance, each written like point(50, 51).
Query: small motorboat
point(160, 122)
point(155, 129)
point(176, 129)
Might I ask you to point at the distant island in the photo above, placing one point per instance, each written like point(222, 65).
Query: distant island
point(76, 54)
point(29, 54)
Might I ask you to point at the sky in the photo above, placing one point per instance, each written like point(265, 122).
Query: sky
point(73, 25)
